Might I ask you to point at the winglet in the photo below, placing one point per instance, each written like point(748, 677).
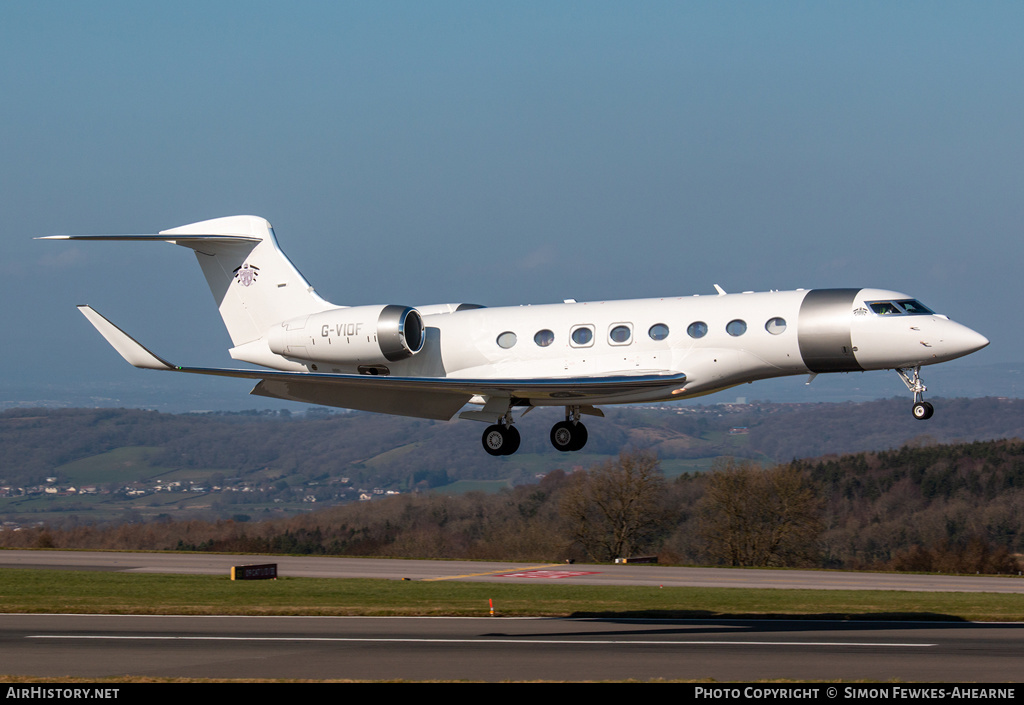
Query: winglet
point(129, 348)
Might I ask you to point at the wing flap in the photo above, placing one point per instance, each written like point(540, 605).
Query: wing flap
point(420, 403)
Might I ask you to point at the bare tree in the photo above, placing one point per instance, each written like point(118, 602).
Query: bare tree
point(755, 516)
point(616, 509)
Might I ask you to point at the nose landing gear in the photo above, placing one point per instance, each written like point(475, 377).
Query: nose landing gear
point(912, 378)
point(923, 410)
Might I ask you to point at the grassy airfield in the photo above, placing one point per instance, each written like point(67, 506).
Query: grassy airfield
point(55, 591)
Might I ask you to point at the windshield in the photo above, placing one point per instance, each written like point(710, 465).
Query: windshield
point(903, 307)
point(914, 306)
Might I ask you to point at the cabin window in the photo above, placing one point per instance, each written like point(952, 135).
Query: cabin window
point(775, 326)
point(507, 339)
point(659, 331)
point(620, 334)
point(544, 338)
point(697, 329)
point(736, 328)
point(582, 336)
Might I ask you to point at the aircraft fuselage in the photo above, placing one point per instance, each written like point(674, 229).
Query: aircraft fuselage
point(718, 341)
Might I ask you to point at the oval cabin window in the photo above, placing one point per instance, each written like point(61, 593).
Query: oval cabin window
point(582, 336)
point(659, 331)
point(619, 335)
point(736, 328)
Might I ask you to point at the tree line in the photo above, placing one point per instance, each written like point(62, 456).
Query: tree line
point(950, 508)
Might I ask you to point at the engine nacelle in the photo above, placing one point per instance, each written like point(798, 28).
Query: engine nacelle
point(433, 309)
point(357, 335)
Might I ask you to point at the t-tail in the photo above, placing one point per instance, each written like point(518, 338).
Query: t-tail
point(253, 283)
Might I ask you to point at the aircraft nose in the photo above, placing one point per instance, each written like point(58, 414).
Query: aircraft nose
point(963, 341)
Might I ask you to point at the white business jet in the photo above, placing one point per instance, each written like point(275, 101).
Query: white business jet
point(430, 361)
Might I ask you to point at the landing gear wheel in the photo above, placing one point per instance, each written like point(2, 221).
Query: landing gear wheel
point(923, 410)
point(499, 440)
point(513, 440)
point(566, 436)
point(581, 437)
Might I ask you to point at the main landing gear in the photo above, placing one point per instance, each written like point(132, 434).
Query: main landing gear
point(502, 438)
point(569, 434)
point(912, 378)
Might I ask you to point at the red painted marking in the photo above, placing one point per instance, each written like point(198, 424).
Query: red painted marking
point(549, 574)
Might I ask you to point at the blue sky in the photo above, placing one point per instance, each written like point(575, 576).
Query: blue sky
point(504, 153)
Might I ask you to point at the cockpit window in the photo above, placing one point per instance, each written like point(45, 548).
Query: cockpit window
point(915, 307)
point(885, 308)
point(904, 307)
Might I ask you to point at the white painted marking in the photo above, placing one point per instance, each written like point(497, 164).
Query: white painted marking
point(477, 641)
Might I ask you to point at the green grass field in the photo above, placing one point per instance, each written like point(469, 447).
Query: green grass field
point(31, 590)
point(120, 465)
point(464, 486)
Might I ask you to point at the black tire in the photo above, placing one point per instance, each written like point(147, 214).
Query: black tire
point(494, 440)
point(513, 439)
point(561, 436)
point(581, 437)
point(566, 436)
point(498, 440)
point(923, 410)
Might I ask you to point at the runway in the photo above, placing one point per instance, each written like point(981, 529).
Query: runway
point(495, 649)
point(583, 574)
point(503, 648)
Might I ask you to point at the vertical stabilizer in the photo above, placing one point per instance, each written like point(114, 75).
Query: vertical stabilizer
point(254, 284)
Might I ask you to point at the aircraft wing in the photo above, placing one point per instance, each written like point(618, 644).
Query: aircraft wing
point(424, 397)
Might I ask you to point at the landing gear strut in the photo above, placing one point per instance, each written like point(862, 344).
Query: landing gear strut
point(912, 378)
point(569, 434)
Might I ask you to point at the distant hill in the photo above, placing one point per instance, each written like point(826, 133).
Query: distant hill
point(226, 463)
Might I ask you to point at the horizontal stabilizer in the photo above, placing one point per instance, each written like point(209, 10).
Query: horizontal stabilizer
point(192, 241)
point(129, 348)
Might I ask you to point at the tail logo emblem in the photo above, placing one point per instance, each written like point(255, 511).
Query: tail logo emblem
point(246, 274)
